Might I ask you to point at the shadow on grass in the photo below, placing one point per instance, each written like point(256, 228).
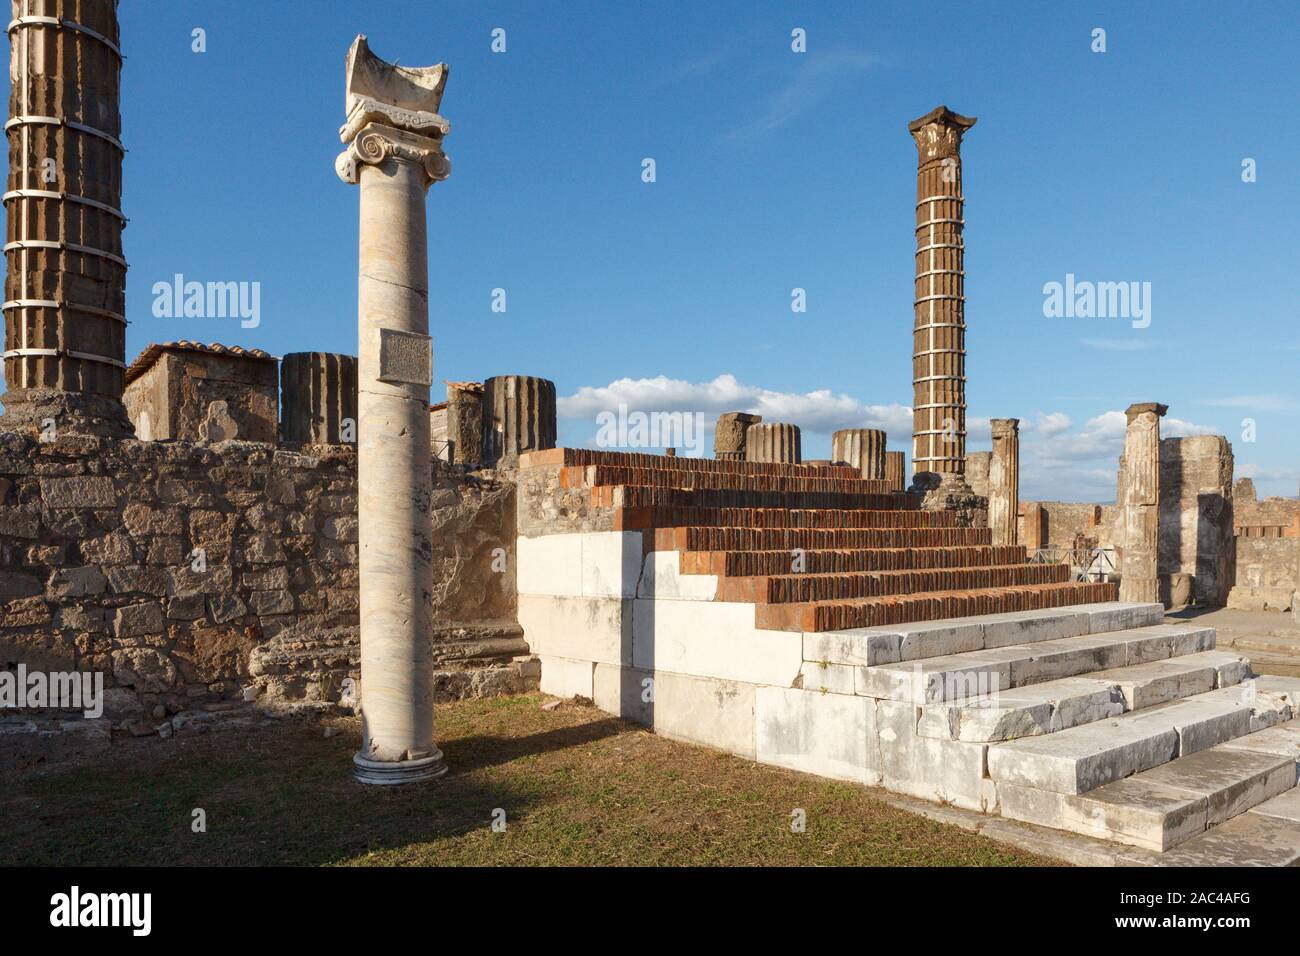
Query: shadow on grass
point(273, 799)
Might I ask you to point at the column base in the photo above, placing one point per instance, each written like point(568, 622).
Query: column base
point(393, 772)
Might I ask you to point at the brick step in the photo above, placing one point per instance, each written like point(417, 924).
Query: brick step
point(1045, 708)
point(899, 609)
point(954, 678)
point(640, 496)
point(1081, 759)
point(784, 540)
point(1179, 800)
point(804, 588)
point(591, 476)
point(587, 456)
point(665, 519)
point(803, 561)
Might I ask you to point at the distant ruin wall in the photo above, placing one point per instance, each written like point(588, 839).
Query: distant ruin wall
point(100, 567)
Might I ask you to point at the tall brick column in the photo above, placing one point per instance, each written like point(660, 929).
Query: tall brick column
point(939, 331)
point(1004, 480)
point(394, 151)
point(65, 284)
point(1139, 503)
point(863, 448)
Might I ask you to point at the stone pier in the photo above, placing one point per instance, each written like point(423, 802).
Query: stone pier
point(896, 470)
point(1004, 480)
point(1138, 501)
point(773, 441)
point(65, 285)
point(318, 398)
point(518, 416)
point(465, 422)
point(939, 330)
point(1035, 530)
point(863, 448)
point(394, 150)
point(729, 435)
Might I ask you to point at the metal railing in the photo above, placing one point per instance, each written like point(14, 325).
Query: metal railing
point(1086, 564)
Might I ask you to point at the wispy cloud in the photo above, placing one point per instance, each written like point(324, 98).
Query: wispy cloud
point(1261, 403)
point(1117, 345)
point(812, 78)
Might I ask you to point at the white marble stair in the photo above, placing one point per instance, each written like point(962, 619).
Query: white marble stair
point(976, 673)
point(1051, 706)
point(1190, 801)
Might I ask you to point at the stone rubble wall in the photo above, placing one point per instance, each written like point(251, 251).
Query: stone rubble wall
point(98, 569)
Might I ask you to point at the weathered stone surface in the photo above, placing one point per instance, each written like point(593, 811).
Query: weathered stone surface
point(144, 669)
point(1138, 501)
point(137, 619)
point(772, 441)
point(80, 492)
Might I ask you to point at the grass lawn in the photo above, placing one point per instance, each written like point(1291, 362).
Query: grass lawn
point(578, 787)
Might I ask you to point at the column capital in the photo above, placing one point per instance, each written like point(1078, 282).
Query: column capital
point(375, 144)
point(392, 113)
point(938, 133)
point(1004, 426)
point(1142, 408)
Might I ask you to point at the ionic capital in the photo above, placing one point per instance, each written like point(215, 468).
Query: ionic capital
point(375, 144)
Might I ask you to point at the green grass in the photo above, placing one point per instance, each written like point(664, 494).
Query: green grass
point(578, 788)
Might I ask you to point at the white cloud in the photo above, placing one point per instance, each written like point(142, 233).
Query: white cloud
point(819, 411)
point(1050, 424)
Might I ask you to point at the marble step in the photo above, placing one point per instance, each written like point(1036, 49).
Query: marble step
point(1082, 758)
point(1182, 799)
point(911, 642)
point(953, 677)
point(1046, 708)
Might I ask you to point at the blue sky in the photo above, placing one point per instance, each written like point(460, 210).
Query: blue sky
point(774, 170)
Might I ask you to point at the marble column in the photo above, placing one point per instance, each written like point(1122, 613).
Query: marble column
point(939, 321)
point(1139, 503)
point(1004, 480)
point(863, 448)
point(773, 442)
point(394, 136)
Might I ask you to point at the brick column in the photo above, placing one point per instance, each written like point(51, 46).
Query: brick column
point(939, 330)
point(1004, 480)
point(896, 470)
point(863, 448)
point(394, 136)
point(1139, 503)
point(65, 285)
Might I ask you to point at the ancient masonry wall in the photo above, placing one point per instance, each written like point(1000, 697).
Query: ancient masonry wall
point(169, 566)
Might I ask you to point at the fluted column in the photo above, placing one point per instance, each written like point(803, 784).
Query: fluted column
point(773, 441)
point(863, 448)
point(318, 394)
point(518, 416)
point(896, 470)
point(1004, 480)
point(939, 329)
point(65, 284)
point(394, 138)
point(1139, 503)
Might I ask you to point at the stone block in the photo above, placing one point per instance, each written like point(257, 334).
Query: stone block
point(564, 677)
point(82, 491)
point(712, 639)
point(862, 646)
point(1230, 781)
point(661, 578)
point(578, 628)
point(550, 564)
point(945, 771)
point(1082, 758)
point(830, 735)
point(701, 710)
point(828, 678)
point(138, 619)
